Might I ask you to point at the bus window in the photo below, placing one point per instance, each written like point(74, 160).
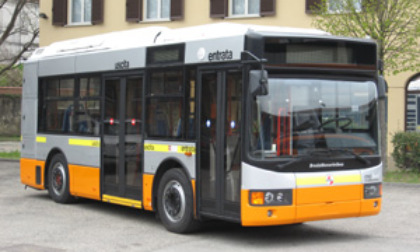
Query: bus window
point(165, 104)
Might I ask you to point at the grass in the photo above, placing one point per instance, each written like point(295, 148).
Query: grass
point(412, 177)
point(9, 138)
point(10, 155)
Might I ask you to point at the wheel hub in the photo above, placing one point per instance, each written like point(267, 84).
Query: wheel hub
point(174, 201)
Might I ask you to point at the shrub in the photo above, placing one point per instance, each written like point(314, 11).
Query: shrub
point(406, 152)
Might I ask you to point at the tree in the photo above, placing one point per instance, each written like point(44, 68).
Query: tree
point(23, 20)
point(394, 24)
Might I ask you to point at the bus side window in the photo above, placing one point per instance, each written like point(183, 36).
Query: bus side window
point(164, 104)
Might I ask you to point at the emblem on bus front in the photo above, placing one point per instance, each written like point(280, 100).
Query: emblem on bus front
point(330, 180)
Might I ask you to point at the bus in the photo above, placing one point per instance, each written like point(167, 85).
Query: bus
point(256, 125)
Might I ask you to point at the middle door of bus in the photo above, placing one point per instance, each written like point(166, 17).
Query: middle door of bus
point(122, 141)
point(220, 142)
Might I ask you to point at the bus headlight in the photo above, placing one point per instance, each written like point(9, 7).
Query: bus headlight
point(372, 190)
point(271, 197)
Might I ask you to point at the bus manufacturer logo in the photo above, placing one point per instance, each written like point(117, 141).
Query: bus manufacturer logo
point(326, 165)
point(330, 180)
point(121, 65)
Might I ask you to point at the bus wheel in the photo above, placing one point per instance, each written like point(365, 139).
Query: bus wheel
point(58, 180)
point(175, 202)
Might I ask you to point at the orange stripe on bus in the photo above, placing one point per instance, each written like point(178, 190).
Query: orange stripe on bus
point(147, 191)
point(84, 181)
point(194, 197)
point(28, 172)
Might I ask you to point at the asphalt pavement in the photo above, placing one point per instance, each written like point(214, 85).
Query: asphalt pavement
point(31, 221)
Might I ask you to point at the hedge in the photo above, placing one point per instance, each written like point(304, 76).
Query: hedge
point(406, 152)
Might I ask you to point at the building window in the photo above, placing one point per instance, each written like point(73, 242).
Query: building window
point(333, 6)
point(80, 11)
point(157, 9)
point(154, 10)
point(242, 8)
point(75, 12)
point(340, 6)
point(412, 115)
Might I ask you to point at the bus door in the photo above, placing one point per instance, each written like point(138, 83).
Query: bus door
point(220, 144)
point(122, 143)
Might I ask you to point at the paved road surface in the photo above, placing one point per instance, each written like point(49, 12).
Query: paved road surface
point(30, 221)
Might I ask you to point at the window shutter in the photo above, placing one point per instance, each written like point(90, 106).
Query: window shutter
point(59, 12)
point(177, 9)
point(267, 7)
point(133, 10)
point(312, 6)
point(218, 8)
point(97, 11)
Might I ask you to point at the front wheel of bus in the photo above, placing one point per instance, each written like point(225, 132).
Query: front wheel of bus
point(58, 180)
point(175, 202)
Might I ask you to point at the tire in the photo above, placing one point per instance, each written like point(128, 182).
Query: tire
point(58, 180)
point(175, 202)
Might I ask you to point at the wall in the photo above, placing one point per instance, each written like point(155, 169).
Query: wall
point(288, 13)
point(10, 107)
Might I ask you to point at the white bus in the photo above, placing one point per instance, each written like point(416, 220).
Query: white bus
point(252, 124)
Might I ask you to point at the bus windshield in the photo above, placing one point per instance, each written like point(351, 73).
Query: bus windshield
point(302, 116)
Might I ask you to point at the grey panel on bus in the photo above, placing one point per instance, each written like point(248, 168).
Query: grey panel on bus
point(75, 154)
point(214, 50)
point(28, 147)
point(28, 115)
point(30, 80)
point(57, 66)
point(257, 178)
point(111, 61)
point(153, 159)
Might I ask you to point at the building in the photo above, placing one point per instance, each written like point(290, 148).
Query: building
point(26, 24)
point(68, 19)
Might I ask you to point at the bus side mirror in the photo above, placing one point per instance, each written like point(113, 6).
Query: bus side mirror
point(382, 87)
point(258, 82)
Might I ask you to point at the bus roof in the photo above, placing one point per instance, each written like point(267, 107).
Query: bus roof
point(153, 36)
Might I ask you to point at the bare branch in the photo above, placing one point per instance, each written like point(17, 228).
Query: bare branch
point(24, 49)
point(19, 6)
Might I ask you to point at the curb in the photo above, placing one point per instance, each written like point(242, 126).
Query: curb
point(9, 160)
point(399, 184)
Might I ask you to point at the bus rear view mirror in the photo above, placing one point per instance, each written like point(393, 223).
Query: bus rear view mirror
point(258, 82)
point(382, 87)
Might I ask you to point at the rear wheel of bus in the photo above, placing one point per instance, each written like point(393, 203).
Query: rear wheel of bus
point(58, 180)
point(175, 202)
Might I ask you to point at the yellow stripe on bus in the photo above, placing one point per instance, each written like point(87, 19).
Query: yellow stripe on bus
point(121, 201)
point(41, 139)
point(322, 180)
point(169, 148)
point(84, 142)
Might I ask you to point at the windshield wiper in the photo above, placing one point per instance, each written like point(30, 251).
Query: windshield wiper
point(309, 156)
point(356, 156)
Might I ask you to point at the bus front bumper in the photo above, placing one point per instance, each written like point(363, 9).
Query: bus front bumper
point(280, 215)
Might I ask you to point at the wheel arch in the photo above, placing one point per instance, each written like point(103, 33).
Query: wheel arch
point(164, 166)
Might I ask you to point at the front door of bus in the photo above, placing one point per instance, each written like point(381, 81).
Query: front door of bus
point(220, 143)
point(122, 137)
